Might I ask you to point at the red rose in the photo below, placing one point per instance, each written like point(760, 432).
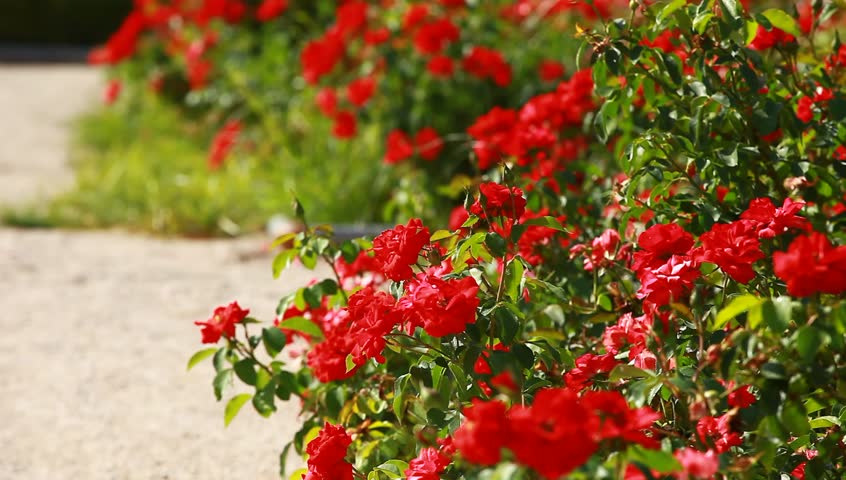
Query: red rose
point(360, 90)
point(398, 147)
point(320, 56)
point(377, 36)
point(434, 36)
point(415, 14)
point(270, 9)
point(733, 247)
point(222, 322)
point(345, 125)
point(484, 63)
point(327, 101)
point(441, 307)
point(717, 431)
point(397, 249)
point(327, 455)
point(812, 264)
point(698, 465)
point(550, 70)
point(372, 315)
point(427, 466)
point(499, 201)
point(658, 243)
point(669, 282)
point(771, 221)
point(484, 432)
point(428, 143)
point(440, 66)
point(556, 422)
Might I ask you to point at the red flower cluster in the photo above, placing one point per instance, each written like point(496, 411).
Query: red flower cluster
point(667, 265)
point(485, 63)
point(427, 143)
point(539, 131)
point(433, 37)
point(717, 432)
point(559, 420)
point(222, 322)
point(327, 455)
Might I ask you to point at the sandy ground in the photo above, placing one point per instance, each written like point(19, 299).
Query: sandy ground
point(97, 326)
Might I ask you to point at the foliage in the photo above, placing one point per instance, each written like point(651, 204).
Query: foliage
point(649, 282)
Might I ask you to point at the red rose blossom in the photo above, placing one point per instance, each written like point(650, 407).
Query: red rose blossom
point(499, 201)
point(327, 455)
point(398, 147)
point(345, 125)
point(397, 249)
point(270, 9)
point(360, 90)
point(428, 465)
point(428, 143)
point(812, 264)
point(222, 322)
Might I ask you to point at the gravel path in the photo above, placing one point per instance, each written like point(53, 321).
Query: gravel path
point(97, 326)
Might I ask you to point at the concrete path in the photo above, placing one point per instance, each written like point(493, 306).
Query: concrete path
point(97, 326)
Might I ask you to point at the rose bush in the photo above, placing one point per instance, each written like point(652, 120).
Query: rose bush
point(409, 75)
point(648, 282)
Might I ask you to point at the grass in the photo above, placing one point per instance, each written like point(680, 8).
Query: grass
point(146, 170)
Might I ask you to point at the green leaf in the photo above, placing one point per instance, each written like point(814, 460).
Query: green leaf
point(730, 7)
point(808, 343)
point(200, 356)
point(780, 19)
point(793, 417)
point(496, 244)
point(274, 340)
point(233, 406)
point(282, 239)
point(523, 354)
point(625, 371)
point(221, 381)
point(246, 370)
point(440, 235)
point(825, 422)
point(669, 9)
point(700, 23)
point(507, 324)
point(264, 400)
point(393, 468)
point(751, 31)
point(282, 261)
point(514, 271)
point(547, 221)
point(298, 474)
point(737, 306)
point(658, 460)
point(350, 363)
point(303, 325)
